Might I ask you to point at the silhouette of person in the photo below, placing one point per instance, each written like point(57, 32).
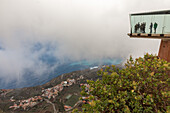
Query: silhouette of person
point(151, 27)
point(144, 26)
point(155, 26)
point(137, 27)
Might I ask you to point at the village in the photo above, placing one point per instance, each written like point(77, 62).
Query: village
point(27, 103)
point(46, 93)
point(3, 92)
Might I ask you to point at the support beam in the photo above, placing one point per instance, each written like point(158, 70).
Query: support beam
point(164, 50)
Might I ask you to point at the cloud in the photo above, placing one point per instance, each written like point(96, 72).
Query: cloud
point(74, 29)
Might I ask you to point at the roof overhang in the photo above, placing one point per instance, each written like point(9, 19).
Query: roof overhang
point(152, 13)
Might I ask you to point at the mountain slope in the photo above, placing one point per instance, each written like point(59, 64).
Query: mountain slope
point(45, 98)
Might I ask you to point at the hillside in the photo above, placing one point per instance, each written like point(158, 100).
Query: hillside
point(61, 94)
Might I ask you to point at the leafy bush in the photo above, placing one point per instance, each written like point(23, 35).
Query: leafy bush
point(142, 86)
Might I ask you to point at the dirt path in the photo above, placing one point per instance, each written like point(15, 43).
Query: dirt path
point(79, 102)
point(55, 111)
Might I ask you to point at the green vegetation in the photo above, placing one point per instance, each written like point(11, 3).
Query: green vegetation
point(141, 87)
point(72, 100)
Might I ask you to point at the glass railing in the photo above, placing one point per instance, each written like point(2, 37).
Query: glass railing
point(150, 24)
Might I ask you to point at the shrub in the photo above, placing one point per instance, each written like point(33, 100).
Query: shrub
point(142, 86)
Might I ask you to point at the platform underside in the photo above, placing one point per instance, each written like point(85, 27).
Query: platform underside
point(153, 36)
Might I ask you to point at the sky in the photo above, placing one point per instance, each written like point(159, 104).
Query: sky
point(68, 29)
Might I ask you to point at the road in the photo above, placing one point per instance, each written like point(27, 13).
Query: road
point(55, 111)
point(79, 102)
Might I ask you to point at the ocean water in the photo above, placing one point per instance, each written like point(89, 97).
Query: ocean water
point(29, 80)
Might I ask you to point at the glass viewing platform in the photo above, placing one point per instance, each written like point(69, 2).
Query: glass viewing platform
point(150, 25)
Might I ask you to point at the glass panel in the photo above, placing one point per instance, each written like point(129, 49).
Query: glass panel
point(150, 24)
point(167, 24)
point(158, 24)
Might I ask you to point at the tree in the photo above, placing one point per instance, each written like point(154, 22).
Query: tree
point(142, 86)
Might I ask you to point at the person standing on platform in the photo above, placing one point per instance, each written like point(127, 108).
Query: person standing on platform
point(144, 26)
point(151, 28)
point(155, 26)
